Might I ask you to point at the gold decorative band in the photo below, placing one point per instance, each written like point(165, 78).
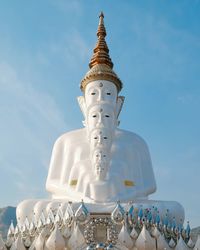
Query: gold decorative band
point(73, 182)
point(128, 183)
point(101, 72)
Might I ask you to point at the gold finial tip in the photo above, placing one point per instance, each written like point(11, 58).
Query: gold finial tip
point(101, 64)
point(101, 14)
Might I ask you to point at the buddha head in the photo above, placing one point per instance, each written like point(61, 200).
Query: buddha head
point(100, 138)
point(101, 116)
point(101, 92)
point(101, 160)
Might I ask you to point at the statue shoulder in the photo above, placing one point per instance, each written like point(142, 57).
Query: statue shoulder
point(130, 137)
point(72, 137)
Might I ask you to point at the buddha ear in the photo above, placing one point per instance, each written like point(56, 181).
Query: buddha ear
point(120, 102)
point(82, 104)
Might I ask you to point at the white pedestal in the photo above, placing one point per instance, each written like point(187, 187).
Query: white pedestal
point(102, 191)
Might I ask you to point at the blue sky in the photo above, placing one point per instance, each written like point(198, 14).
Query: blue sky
point(45, 49)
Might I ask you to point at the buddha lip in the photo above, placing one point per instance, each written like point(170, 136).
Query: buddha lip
point(100, 125)
point(99, 165)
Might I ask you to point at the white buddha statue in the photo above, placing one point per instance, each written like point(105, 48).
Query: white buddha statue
point(100, 163)
point(130, 170)
point(130, 174)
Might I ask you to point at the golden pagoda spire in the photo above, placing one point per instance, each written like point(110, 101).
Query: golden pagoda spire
point(101, 64)
point(101, 51)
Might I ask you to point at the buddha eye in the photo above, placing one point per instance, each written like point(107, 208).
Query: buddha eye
point(104, 155)
point(94, 116)
point(105, 137)
point(97, 155)
point(107, 116)
point(108, 93)
point(95, 137)
point(93, 93)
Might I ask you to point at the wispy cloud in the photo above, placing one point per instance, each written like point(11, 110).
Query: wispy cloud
point(72, 48)
point(30, 122)
point(170, 49)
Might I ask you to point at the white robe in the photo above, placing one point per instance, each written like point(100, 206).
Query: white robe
point(71, 172)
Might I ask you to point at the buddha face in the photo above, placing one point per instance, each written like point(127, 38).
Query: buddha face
point(100, 90)
point(100, 138)
point(100, 116)
point(100, 160)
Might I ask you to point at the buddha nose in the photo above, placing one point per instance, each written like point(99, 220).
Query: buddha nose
point(100, 119)
point(100, 139)
point(99, 123)
point(100, 96)
point(100, 157)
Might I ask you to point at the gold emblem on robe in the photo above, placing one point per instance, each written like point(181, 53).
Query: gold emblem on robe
point(73, 182)
point(129, 183)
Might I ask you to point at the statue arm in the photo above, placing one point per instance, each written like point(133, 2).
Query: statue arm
point(60, 166)
point(147, 171)
point(54, 187)
point(138, 149)
point(55, 168)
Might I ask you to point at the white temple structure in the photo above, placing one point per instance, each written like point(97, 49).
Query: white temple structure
point(100, 178)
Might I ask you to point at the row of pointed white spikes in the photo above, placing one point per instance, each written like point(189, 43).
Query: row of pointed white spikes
point(154, 239)
point(57, 241)
point(82, 216)
point(68, 216)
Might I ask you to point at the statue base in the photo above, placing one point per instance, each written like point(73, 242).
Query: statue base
point(101, 226)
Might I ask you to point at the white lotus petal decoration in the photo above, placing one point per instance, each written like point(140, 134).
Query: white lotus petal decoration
point(82, 215)
point(145, 241)
point(40, 240)
point(155, 233)
point(55, 240)
point(181, 245)
point(162, 243)
point(11, 230)
point(18, 244)
point(118, 214)
point(69, 215)
point(76, 240)
point(125, 238)
point(197, 245)
point(134, 234)
point(172, 243)
point(190, 243)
